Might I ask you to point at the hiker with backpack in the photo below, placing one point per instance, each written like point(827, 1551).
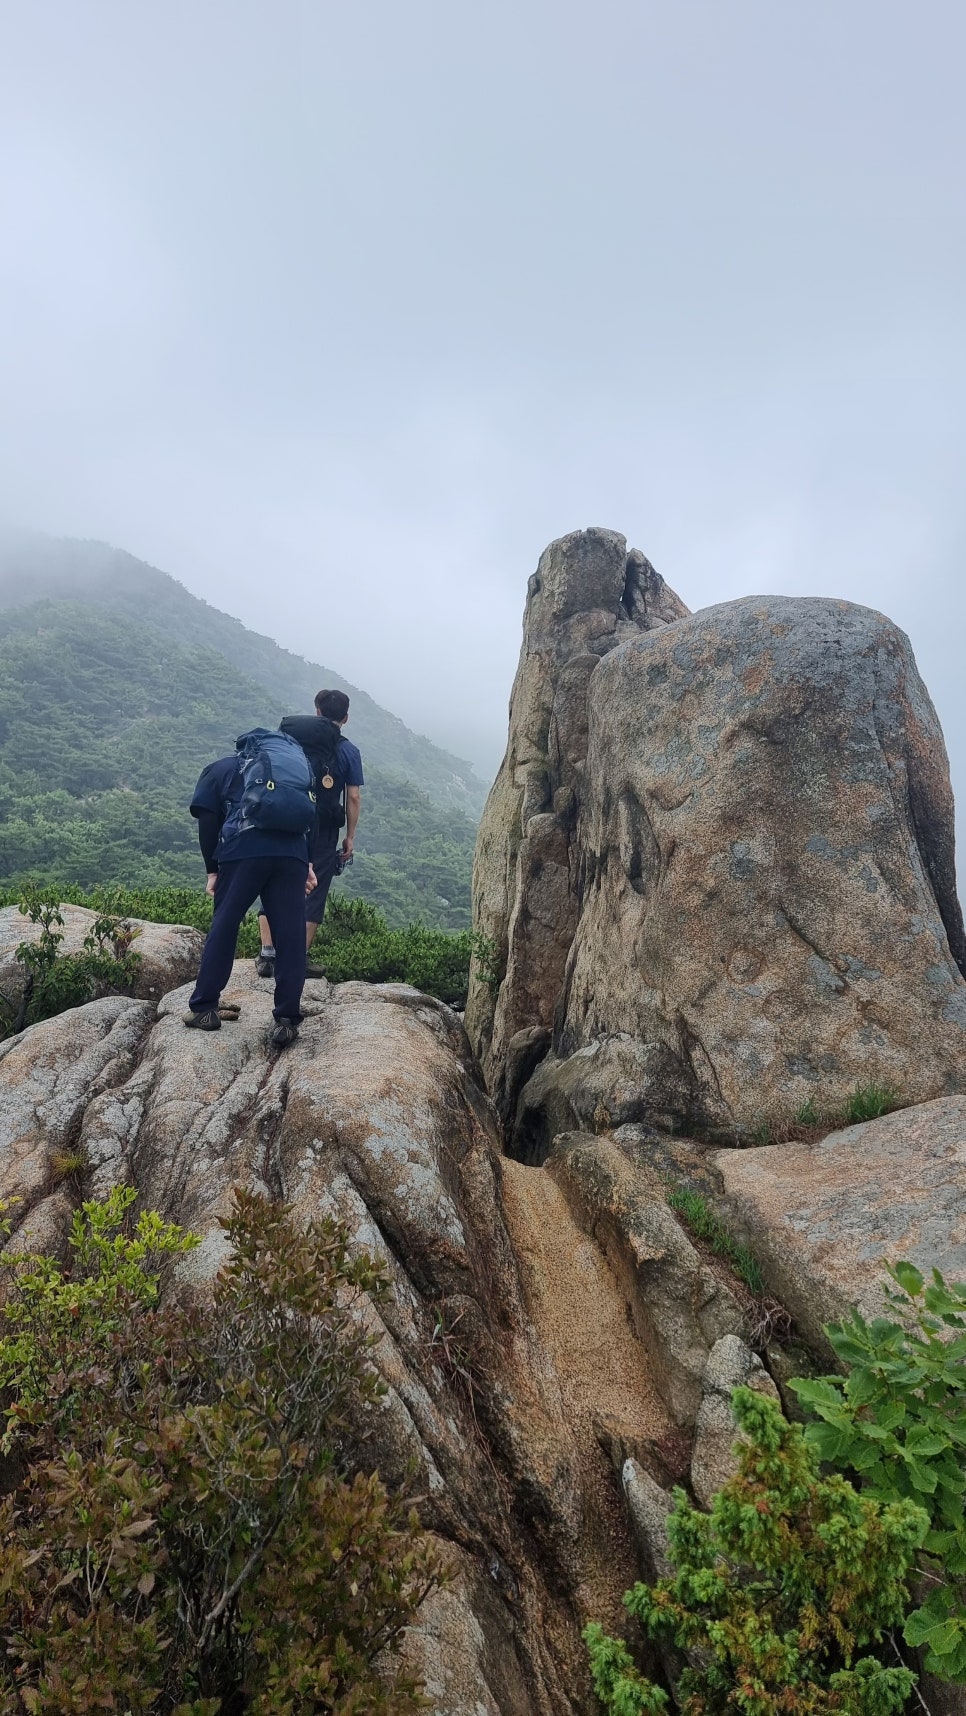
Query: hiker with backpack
point(255, 813)
point(337, 765)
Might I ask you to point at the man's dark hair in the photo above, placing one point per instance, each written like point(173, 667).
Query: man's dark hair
point(334, 704)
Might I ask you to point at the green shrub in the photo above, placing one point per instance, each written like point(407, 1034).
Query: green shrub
point(869, 1101)
point(778, 1590)
point(898, 1420)
point(697, 1214)
point(486, 956)
point(189, 1534)
point(354, 940)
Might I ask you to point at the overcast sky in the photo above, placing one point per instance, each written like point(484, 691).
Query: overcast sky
point(339, 313)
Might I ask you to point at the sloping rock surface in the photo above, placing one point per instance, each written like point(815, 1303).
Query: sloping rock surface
point(765, 880)
point(587, 595)
point(679, 1307)
point(825, 1218)
point(169, 953)
point(375, 1115)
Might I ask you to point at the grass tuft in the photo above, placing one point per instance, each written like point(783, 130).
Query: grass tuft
point(699, 1217)
point(869, 1101)
point(68, 1166)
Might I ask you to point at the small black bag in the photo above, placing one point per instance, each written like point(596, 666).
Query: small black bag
point(320, 738)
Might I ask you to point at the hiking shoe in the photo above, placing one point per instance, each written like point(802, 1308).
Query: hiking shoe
point(315, 971)
point(285, 1032)
point(265, 965)
point(202, 1021)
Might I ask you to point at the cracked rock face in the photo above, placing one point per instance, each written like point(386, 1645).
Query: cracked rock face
point(376, 1117)
point(766, 905)
point(588, 595)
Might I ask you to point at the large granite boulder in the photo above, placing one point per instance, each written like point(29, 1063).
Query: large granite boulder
point(825, 1218)
point(376, 1115)
point(169, 953)
point(587, 595)
point(764, 880)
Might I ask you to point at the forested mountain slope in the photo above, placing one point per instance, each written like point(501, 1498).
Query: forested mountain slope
point(109, 709)
point(34, 567)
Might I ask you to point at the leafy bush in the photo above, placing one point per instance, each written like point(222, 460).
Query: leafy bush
point(187, 1534)
point(898, 1420)
point(777, 1591)
point(54, 981)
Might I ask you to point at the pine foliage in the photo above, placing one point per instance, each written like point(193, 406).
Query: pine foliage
point(782, 1592)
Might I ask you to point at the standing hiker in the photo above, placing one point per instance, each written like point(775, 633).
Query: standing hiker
point(338, 778)
point(255, 813)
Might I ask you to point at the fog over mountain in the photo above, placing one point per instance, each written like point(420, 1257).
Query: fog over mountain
point(338, 315)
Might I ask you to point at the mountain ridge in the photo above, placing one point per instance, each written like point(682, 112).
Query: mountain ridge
point(35, 567)
point(112, 699)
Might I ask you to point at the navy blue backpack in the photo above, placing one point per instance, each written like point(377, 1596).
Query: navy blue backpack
point(279, 795)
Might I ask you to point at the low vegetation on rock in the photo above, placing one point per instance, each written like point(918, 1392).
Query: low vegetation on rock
point(814, 1120)
point(53, 980)
point(354, 942)
point(701, 1220)
point(186, 1529)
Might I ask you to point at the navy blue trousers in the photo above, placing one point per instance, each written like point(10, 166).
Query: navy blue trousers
point(326, 845)
point(281, 884)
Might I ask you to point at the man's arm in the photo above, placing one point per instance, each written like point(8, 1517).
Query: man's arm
point(209, 828)
point(209, 809)
point(353, 802)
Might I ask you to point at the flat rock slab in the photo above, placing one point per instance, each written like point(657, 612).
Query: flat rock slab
point(825, 1218)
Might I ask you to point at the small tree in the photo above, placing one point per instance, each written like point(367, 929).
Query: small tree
point(187, 1534)
point(778, 1590)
